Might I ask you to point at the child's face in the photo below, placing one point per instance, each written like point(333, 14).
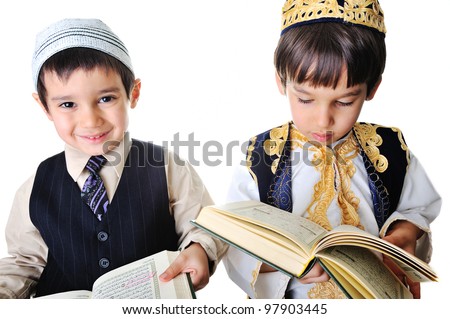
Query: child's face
point(324, 114)
point(89, 108)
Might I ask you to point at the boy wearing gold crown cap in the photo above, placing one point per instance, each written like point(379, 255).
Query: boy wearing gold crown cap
point(323, 164)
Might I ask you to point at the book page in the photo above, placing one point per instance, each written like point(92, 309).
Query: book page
point(359, 269)
point(415, 268)
point(140, 280)
point(298, 229)
point(254, 241)
point(75, 294)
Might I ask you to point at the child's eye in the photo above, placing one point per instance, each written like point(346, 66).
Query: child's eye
point(339, 103)
point(67, 105)
point(106, 99)
point(302, 101)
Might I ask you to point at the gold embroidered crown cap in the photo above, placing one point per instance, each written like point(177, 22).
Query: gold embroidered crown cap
point(366, 13)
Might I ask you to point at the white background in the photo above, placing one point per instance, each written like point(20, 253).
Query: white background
point(206, 68)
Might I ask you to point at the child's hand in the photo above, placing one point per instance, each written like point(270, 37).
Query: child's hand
point(404, 235)
point(316, 274)
point(192, 260)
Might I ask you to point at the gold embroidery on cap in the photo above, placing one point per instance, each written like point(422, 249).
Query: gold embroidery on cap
point(361, 12)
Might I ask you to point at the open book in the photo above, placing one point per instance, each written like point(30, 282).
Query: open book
point(292, 244)
point(138, 279)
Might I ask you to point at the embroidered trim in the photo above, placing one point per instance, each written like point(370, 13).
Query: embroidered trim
point(336, 168)
point(250, 149)
point(275, 145)
point(347, 200)
point(369, 141)
point(361, 12)
point(403, 144)
point(280, 191)
point(376, 163)
point(326, 290)
point(255, 273)
point(297, 139)
point(380, 196)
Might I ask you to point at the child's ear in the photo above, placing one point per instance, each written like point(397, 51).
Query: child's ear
point(281, 86)
point(38, 100)
point(135, 93)
point(374, 90)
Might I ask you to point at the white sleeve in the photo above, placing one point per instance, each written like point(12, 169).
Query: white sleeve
point(187, 196)
point(20, 271)
point(419, 204)
point(243, 269)
point(242, 187)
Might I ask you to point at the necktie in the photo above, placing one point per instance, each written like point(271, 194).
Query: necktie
point(93, 192)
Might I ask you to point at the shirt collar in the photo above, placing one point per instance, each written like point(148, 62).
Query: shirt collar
point(116, 157)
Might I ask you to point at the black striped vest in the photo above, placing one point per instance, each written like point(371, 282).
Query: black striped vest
point(81, 248)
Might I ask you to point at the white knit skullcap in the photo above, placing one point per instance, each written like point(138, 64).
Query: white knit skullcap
point(77, 33)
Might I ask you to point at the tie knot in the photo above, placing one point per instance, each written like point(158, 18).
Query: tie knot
point(95, 163)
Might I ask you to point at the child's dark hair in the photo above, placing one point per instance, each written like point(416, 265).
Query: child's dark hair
point(65, 62)
point(318, 52)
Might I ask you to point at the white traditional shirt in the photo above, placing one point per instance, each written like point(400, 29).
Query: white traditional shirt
point(337, 187)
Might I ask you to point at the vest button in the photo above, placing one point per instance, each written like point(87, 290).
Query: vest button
point(102, 236)
point(104, 263)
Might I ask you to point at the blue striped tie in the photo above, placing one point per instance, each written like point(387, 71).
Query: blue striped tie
point(94, 191)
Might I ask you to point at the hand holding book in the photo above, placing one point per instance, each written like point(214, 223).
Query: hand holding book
point(293, 245)
point(137, 280)
point(192, 260)
point(403, 234)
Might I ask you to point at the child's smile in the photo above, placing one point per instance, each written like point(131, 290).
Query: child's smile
point(89, 108)
point(99, 138)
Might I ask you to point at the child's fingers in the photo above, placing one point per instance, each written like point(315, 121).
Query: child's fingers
point(414, 287)
point(316, 274)
point(394, 267)
point(175, 268)
point(192, 260)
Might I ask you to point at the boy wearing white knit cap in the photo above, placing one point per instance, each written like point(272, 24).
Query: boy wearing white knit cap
point(106, 200)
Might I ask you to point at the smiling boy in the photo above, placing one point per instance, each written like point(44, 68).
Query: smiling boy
point(88, 109)
point(140, 197)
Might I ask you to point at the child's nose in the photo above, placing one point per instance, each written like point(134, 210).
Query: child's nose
point(90, 116)
point(325, 117)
